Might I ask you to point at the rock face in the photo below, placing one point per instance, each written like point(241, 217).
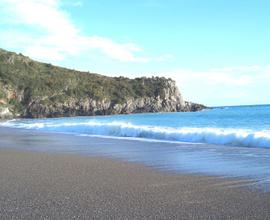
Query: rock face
point(5, 113)
point(193, 107)
point(33, 90)
point(172, 102)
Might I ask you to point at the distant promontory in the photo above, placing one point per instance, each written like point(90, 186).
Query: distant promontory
point(31, 89)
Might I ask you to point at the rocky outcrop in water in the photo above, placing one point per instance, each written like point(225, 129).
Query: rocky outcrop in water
point(32, 89)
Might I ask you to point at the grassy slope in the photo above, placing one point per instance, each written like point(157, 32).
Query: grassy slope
point(50, 83)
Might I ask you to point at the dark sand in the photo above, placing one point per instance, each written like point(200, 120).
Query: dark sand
point(47, 186)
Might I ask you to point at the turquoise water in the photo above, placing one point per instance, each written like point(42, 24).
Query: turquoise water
point(241, 126)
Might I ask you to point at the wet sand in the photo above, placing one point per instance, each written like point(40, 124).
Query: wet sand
point(59, 186)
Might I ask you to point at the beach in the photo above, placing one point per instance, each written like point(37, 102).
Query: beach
point(35, 185)
point(131, 110)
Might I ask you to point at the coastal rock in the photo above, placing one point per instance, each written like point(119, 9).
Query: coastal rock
point(32, 89)
point(5, 113)
point(193, 107)
point(90, 107)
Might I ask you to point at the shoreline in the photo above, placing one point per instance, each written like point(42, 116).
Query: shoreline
point(36, 185)
point(165, 155)
point(175, 157)
point(59, 176)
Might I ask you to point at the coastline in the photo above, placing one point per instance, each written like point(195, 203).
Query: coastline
point(183, 157)
point(61, 176)
point(59, 186)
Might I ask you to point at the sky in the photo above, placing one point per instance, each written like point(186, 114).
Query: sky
point(218, 51)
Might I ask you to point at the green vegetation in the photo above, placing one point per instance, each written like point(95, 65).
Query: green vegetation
point(23, 81)
point(40, 79)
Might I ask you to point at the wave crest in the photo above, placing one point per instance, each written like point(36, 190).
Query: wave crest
point(232, 137)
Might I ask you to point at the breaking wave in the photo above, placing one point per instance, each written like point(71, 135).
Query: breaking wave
point(219, 136)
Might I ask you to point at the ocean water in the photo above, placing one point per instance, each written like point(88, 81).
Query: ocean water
point(240, 126)
point(223, 141)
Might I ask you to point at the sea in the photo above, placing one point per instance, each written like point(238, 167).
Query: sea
point(224, 141)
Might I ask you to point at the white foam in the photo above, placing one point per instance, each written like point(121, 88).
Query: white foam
point(233, 137)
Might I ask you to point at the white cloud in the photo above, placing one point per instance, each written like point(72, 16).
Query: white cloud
point(53, 36)
point(223, 86)
point(233, 76)
point(76, 3)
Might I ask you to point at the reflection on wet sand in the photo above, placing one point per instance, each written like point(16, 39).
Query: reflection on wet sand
point(222, 161)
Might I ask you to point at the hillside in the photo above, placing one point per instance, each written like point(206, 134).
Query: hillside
point(33, 89)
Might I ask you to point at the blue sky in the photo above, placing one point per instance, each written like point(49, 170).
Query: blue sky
point(217, 50)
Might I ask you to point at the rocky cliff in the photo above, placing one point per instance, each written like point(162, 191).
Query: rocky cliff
point(33, 90)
